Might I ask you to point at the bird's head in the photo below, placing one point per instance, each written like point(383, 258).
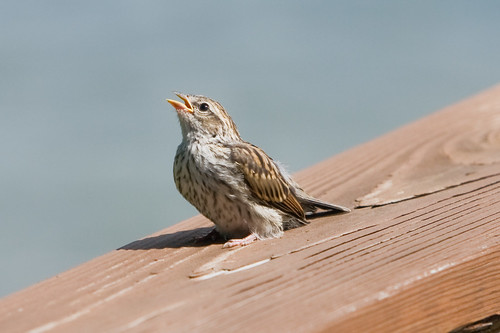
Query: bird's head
point(202, 117)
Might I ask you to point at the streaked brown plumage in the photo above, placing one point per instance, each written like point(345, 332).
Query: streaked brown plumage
point(235, 184)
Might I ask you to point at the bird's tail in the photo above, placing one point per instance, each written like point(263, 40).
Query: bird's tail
point(311, 205)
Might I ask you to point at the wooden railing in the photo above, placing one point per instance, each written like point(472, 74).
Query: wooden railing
point(420, 252)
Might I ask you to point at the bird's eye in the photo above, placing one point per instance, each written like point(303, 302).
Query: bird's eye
point(204, 107)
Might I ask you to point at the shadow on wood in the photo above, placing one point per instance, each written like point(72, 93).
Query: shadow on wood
point(185, 238)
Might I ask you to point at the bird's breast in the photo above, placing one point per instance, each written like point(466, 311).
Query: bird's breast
point(205, 168)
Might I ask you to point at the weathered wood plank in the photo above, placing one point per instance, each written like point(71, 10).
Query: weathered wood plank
point(420, 253)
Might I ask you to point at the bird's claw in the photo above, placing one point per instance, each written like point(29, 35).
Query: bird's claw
point(240, 241)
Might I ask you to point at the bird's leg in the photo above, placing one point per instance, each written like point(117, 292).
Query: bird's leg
point(240, 241)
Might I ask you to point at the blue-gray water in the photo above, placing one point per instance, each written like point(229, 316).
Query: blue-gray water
point(87, 140)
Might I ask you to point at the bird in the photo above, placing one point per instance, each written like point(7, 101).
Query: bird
point(235, 184)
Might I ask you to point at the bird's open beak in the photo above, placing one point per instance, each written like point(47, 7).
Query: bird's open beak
point(179, 106)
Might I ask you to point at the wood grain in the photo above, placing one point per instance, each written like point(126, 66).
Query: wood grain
point(420, 253)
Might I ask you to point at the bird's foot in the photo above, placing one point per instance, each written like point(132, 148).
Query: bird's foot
point(211, 237)
point(240, 241)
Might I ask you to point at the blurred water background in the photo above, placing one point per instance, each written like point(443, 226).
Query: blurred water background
point(87, 140)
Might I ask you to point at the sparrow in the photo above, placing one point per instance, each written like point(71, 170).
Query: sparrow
point(235, 184)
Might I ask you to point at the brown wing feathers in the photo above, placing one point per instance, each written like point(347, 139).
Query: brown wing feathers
point(265, 180)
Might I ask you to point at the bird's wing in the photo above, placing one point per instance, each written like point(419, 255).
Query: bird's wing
point(265, 180)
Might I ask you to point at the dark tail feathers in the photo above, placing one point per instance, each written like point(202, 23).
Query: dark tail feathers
point(311, 205)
